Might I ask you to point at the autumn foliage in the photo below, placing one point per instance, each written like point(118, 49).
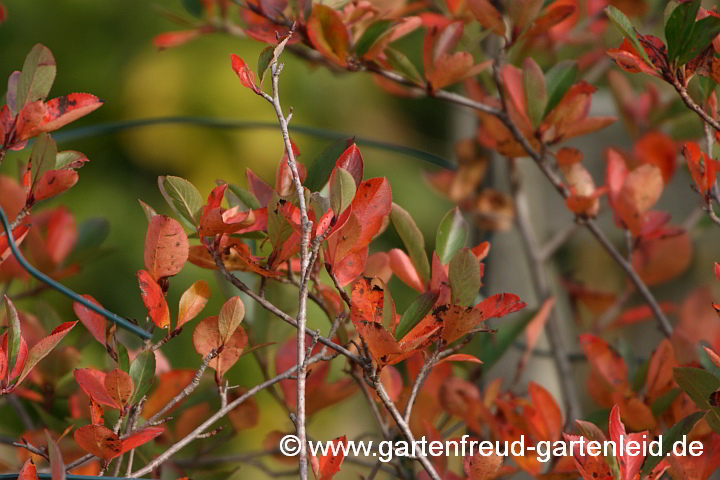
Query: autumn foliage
point(533, 72)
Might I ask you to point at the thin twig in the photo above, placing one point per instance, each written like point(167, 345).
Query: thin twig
point(403, 426)
point(690, 103)
point(172, 450)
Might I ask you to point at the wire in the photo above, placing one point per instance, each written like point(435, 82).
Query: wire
point(121, 322)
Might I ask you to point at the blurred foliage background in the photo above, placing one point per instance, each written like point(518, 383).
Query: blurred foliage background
point(105, 48)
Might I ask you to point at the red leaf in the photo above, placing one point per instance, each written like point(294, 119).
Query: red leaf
point(54, 183)
point(606, 361)
point(347, 246)
point(326, 466)
point(43, 347)
point(29, 471)
point(56, 113)
point(328, 34)
point(93, 384)
point(154, 299)
point(402, 266)
point(97, 415)
point(166, 247)
point(246, 76)
point(175, 39)
point(630, 465)
point(19, 233)
point(140, 438)
point(94, 322)
point(259, 187)
point(459, 321)
point(352, 161)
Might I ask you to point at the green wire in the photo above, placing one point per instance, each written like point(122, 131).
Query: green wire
point(113, 127)
point(121, 322)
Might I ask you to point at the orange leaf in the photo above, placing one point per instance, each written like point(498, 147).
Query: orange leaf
point(192, 302)
point(119, 387)
point(487, 15)
point(166, 247)
point(169, 385)
point(154, 299)
point(481, 467)
point(98, 440)
point(207, 337)
point(328, 34)
point(246, 415)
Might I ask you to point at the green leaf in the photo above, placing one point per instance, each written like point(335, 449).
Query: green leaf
point(703, 33)
point(626, 28)
point(663, 402)
point(640, 376)
point(279, 229)
point(91, 234)
point(342, 190)
point(676, 433)
point(402, 64)
point(142, 372)
point(371, 35)
point(491, 347)
point(14, 337)
point(196, 8)
point(183, 198)
point(321, 168)
point(243, 195)
point(451, 235)
point(264, 59)
point(417, 310)
point(413, 239)
point(388, 307)
point(700, 88)
point(123, 358)
point(679, 26)
point(465, 277)
point(66, 158)
point(43, 155)
point(700, 384)
point(37, 77)
point(559, 79)
point(44, 346)
point(536, 94)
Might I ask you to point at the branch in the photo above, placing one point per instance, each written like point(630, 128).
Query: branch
point(690, 103)
point(172, 450)
point(403, 426)
point(422, 376)
point(273, 309)
point(560, 186)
